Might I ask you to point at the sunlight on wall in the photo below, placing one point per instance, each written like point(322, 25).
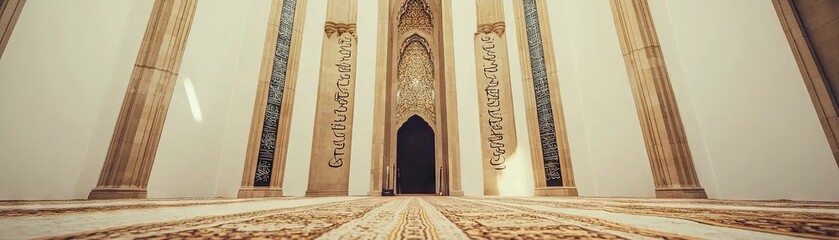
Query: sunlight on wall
point(193, 100)
point(515, 179)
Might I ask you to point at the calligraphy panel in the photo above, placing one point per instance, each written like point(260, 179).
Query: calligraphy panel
point(329, 164)
point(268, 140)
point(495, 102)
point(544, 110)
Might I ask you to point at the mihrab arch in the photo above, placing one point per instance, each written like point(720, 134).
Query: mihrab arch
point(415, 82)
point(415, 160)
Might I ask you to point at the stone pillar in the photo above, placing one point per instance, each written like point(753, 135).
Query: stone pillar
point(128, 164)
point(495, 96)
point(661, 124)
point(329, 166)
point(452, 132)
point(268, 141)
point(551, 155)
point(378, 180)
point(806, 22)
point(9, 13)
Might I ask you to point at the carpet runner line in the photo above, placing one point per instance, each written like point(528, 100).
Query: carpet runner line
point(487, 221)
point(18, 203)
point(376, 224)
point(789, 223)
point(693, 203)
point(424, 217)
point(446, 229)
point(404, 218)
point(304, 224)
point(50, 210)
point(650, 226)
point(627, 230)
point(716, 202)
point(414, 224)
point(592, 223)
point(238, 224)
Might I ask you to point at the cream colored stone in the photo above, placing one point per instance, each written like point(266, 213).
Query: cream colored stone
point(329, 168)
point(443, 122)
point(661, 124)
point(810, 66)
point(495, 96)
point(248, 189)
point(9, 13)
point(125, 173)
point(568, 187)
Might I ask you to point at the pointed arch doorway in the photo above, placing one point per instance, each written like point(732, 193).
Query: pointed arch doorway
point(415, 158)
point(414, 83)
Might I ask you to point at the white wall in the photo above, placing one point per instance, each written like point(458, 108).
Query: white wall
point(62, 80)
point(518, 178)
point(303, 117)
point(607, 148)
point(463, 28)
point(750, 122)
point(241, 105)
point(202, 148)
point(365, 86)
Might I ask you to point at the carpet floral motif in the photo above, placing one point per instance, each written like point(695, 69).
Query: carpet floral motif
point(426, 217)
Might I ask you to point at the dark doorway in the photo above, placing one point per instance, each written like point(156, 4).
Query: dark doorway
point(415, 157)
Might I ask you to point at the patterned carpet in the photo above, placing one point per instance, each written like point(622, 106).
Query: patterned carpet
point(419, 218)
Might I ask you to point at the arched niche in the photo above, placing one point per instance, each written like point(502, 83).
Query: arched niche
point(415, 85)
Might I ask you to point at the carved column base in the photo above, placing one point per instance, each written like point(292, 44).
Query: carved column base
point(374, 193)
point(117, 193)
point(680, 192)
point(556, 191)
point(327, 193)
point(456, 193)
point(260, 192)
point(490, 192)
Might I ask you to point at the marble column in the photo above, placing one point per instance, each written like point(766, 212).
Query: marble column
point(661, 124)
point(130, 156)
point(268, 141)
point(551, 155)
point(329, 166)
point(495, 95)
point(9, 13)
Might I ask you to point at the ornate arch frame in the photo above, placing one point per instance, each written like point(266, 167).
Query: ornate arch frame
point(438, 42)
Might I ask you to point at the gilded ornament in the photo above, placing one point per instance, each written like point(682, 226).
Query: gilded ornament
point(415, 14)
point(415, 89)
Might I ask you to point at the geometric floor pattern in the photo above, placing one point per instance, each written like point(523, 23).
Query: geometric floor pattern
point(418, 217)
